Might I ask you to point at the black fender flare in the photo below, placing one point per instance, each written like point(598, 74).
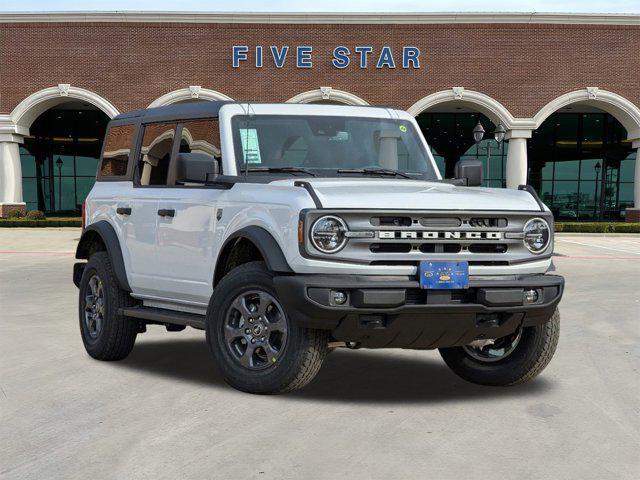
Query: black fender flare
point(266, 244)
point(109, 237)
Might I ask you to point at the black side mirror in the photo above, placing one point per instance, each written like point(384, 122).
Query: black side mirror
point(469, 170)
point(197, 168)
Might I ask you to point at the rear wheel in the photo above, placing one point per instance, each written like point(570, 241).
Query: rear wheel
point(256, 345)
point(106, 334)
point(510, 360)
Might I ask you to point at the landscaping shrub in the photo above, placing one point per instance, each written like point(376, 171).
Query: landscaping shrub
point(15, 214)
point(35, 215)
point(597, 227)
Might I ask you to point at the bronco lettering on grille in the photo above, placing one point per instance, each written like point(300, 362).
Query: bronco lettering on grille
point(425, 235)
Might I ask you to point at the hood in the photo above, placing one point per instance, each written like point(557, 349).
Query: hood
point(397, 194)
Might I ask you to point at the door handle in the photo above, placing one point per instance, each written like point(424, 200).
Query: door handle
point(165, 212)
point(123, 210)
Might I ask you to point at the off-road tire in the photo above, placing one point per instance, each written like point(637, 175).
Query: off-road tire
point(532, 354)
point(302, 355)
point(118, 333)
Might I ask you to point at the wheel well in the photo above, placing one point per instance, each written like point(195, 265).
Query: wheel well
point(234, 254)
point(90, 243)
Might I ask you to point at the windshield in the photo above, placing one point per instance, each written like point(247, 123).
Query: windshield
point(325, 145)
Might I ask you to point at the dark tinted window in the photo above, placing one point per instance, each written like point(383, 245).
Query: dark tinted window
point(201, 136)
point(117, 146)
point(155, 153)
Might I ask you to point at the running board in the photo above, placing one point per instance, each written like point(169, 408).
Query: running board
point(161, 315)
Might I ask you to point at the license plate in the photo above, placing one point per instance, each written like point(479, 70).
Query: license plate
point(444, 275)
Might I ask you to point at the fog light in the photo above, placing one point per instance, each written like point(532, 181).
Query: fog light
point(531, 296)
point(338, 297)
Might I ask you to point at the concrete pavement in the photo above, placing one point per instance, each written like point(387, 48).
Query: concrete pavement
point(165, 412)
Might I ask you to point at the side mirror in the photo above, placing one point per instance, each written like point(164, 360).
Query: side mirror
point(196, 168)
point(469, 170)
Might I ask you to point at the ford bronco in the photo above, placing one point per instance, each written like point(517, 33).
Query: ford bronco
point(287, 230)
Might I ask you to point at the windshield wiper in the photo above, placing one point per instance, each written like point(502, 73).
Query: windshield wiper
point(280, 170)
point(375, 171)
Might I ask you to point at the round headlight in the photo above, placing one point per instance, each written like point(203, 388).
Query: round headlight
point(536, 235)
point(327, 234)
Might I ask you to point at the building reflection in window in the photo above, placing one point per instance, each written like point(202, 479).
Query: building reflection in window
point(450, 136)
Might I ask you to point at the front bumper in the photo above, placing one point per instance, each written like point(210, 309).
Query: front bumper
point(383, 312)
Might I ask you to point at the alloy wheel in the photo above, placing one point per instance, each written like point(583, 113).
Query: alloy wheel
point(94, 304)
point(255, 330)
point(493, 350)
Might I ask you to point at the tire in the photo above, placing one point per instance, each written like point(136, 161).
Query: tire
point(116, 335)
point(285, 358)
point(530, 356)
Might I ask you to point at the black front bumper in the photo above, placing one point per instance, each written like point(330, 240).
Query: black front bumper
point(385, 312)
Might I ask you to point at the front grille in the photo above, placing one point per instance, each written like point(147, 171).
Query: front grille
point(390, 247)
point(440, 247)
point(488, 248)
point(408, 237)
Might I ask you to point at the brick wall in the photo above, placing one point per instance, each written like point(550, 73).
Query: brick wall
point(522, 66)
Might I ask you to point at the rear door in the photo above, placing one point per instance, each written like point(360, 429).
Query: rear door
point(185, 241)
point(140, 226)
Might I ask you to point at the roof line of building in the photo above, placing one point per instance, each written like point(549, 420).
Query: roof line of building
point(320, 18)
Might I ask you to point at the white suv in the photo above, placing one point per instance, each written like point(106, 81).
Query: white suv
point(287, 230)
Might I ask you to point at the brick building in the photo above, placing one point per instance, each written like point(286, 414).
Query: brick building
point(565, 88)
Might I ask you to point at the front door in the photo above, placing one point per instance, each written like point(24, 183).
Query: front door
point(186, 232)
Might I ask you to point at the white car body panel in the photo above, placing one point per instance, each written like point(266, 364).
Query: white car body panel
point(170, 262)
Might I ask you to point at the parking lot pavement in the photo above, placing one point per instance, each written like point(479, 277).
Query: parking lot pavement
point(165, 412)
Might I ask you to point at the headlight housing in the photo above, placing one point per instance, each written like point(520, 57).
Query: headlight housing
point(537, 235)
point(328, 234)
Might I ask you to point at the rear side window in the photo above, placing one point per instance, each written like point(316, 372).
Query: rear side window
point(155, 153)
point(117, 147)
point(201, 136)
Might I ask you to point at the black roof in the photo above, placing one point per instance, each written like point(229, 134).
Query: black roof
point(199, 109)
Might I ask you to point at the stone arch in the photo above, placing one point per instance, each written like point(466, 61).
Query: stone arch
point(37, 103)
point(622, 109)
point(327, 94)
point(459, 96)
point(194, 92)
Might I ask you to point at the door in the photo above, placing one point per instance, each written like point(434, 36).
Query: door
point(186, 231)
point(140, 210)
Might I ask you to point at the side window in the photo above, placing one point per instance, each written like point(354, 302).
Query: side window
point(155, 153)
point(201, 136)
point(117, 146)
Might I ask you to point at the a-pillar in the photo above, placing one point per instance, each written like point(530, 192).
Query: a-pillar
point(517, 157)
point(10, 175)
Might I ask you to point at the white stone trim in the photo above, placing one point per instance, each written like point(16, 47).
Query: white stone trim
point(327, 93)
point(625, 111)
point(188, 93)
point(24, 114)
point(411, 18)
point(492, 108)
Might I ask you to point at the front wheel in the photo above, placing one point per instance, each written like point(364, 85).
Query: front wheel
point(256, 345)
point(510, 360)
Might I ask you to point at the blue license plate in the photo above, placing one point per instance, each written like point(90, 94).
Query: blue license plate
point(444, 275)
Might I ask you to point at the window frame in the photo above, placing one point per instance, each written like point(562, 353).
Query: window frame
point(175, 149)
point(135, 178)
point(132, 152)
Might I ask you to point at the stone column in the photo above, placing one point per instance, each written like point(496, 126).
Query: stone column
point(10, 175)
point(633, 214)
point(517, 157)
